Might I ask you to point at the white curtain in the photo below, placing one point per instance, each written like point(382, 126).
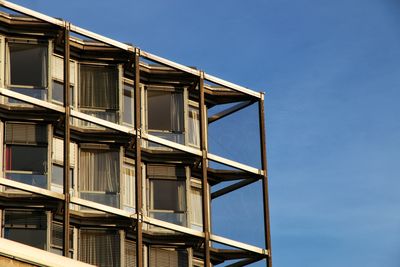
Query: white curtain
point(98, 87)
point(99, 171)
point(177, 112)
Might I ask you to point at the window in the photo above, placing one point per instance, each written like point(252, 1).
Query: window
point(99, 176)
point(194, 126)
point(57, 239)
point(196, 210)
point(129, 187)
point(28, 68)
point(57, 169)
point(167, 193)
point(26, 153)
point(130, 253)
point(27, 227)
point(168, 257)
point(57, 178)
point(128, 104)
point(57, 69)
point(165, 114)
point(100, 247)
point(99, 92)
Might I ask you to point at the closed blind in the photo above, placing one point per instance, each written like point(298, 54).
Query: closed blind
point(165, 171)
point(19, 133)
point(24, 219)
point(100, 247)
point(130, 253)
point(162, 257)
point(58, 151)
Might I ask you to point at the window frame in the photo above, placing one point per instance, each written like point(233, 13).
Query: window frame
point(179, 134)
point(95, 148)
point(7, 81)
point(150, 194)
point(93, 111)
point(39, 145)
point(60, 80)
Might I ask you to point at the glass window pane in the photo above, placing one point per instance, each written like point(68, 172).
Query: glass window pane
point(128, 103)
point(194, 126)
point(159, 110)
point(28, 64)
point(26, 158)
point(26, 227)
point(129, 187)
point(99, 87)
point(168, 195)
point(58, 92)
point(196, 214)
point(99, 176)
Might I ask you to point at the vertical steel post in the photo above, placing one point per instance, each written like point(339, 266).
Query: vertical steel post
point(265, 180)
point(66, 139)
point(204, 183)
point(138, 163)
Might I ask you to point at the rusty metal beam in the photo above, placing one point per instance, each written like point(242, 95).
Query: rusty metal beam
point(229, 111)
point(232, 187)
point(244, 262)
point(67, 140)
point(138, 164)
point(265, 180)
point(204, 181)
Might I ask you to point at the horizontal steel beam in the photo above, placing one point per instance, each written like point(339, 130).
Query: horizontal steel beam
point(31, 189)
point(232, 86)
point(169, 63)
point(31, 100)
point(234, 164)
point(237, 244)
point(171, 144)
point(32, 13)
point(101, 122)
point(229, 111)
point(34, 256)
point(101, 207)
point(174, 227)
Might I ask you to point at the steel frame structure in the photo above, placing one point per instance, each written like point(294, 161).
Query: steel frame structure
point(137, 134)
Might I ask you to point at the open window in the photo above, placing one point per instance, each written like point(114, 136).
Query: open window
point(165, 113)
point(100, 247)
point(167, 257)
point(99, 175)
point(26, 153)
point(27, 67)
point(27, 227)
point(99, 92)
point(167, 196)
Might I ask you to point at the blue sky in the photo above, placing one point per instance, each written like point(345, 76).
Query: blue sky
point(331, 72)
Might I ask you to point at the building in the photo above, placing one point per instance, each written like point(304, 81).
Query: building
point(111, 168)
